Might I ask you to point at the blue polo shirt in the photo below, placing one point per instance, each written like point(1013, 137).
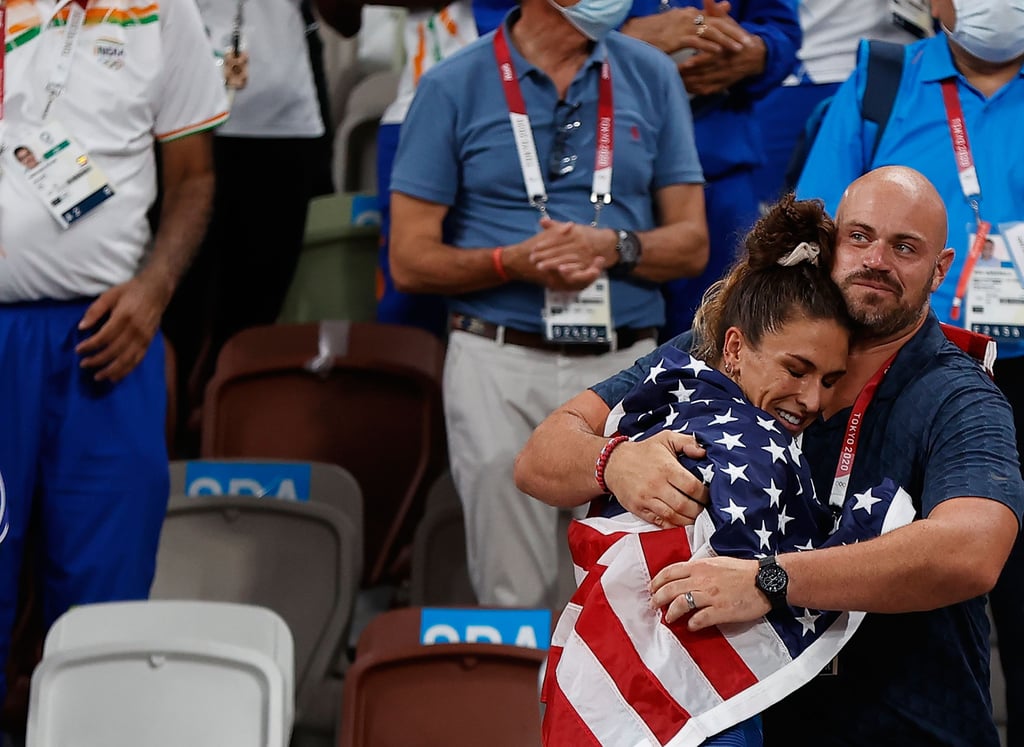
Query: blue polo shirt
point(457, 149)
point(918, 136)
point(728, 133)
point(941, 429)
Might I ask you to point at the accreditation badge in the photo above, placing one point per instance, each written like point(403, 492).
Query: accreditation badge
point(579, 316)
point(59, 170)
point(995, 290)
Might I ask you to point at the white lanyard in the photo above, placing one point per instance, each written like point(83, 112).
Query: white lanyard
point(62, 70)
point(533, 180)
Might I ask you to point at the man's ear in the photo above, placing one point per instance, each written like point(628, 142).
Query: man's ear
point(942, 265)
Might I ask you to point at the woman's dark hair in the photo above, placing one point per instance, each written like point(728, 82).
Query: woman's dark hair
point(758, 295)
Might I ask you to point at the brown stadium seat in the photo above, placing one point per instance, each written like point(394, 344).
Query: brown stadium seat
point(362, 395)
point(400, 692)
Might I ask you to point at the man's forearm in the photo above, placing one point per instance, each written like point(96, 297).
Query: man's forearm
point(187, 202)
point(927, 564)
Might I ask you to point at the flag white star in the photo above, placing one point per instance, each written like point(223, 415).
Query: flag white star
point(703, 402)
point(799, 485)
point(774, 494)
point(777, 452)
point(731, 440)
point(652, 375)
point(807, 620)
point(723, 419)
point(684, 427)
point(865, 500)
point(783, 520)
point(671, 417)
point(767, 423)
point(697, 366)
point(736, 512)
point(794, 451)
point(736, 472)
point(808, 546)
point(739, 400)
point(706, 473)
point(682, 393)
point(765, 535)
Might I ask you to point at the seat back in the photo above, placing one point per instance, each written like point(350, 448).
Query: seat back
point(399, 691)
point(362, 395)
point(302, 560)
point(355, 140)
point(439, 575)
point(336, 275)
point(164, 673)
point(286, 479)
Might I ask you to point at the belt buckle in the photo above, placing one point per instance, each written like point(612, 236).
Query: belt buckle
point(471, 324)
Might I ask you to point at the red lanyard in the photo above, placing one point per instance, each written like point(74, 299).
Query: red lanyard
point(3, 52)
point(969, 185)
point(848, 452)
point(533, 180)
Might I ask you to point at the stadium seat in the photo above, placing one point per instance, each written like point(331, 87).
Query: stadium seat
point(401, 692)
point(336, 274)
point(363, 395)
point(439, 575)
point(300, 559)
point(355, 140)
point(158, 674)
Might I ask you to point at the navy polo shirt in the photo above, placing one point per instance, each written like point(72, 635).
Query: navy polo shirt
point(941, 429)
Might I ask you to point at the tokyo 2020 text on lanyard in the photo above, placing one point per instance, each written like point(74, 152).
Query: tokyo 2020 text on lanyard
point(969, 185)
point(851, 437)
point(601, 190)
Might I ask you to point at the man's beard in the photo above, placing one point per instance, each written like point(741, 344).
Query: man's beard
point(874, 320)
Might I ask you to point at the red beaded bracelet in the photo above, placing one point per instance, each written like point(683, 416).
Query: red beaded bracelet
point(602, 461)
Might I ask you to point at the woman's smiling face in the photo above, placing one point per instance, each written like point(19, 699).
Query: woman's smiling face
point(792, 373)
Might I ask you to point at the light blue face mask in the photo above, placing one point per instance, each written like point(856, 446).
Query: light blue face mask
point(991, 30)
point(595, 18)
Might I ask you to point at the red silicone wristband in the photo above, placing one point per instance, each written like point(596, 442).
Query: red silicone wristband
point(499, 265)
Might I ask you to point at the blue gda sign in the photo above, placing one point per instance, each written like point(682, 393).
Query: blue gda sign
point(263, 480)
point(512, 627)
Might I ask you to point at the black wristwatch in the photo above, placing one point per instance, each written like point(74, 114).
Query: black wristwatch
point(773, 580)
point(629, 250)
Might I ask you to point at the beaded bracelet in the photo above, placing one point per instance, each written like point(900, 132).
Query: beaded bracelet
point(602, 461)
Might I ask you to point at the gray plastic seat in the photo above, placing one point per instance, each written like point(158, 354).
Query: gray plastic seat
point(124, 674)
point(439, 573)
point(300, 559)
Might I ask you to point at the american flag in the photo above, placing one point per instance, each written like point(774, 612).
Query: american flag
point(616, 673)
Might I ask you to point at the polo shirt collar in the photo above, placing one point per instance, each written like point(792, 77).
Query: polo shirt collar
point(923, 346)
point(523, 67)
point(937, 60)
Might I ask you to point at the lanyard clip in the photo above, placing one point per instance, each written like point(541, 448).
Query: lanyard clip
point(540, 203)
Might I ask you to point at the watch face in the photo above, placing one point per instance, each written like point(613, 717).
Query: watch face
point(628, 247)
point(772, 579)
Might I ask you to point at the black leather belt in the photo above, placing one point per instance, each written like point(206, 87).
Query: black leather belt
point(624, 337)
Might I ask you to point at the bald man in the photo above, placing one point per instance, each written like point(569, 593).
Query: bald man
point(918, 671)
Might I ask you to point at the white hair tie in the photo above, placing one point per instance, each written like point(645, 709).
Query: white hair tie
point(805, 251)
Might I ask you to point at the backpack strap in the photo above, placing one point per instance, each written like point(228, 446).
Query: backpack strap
point(884, 72)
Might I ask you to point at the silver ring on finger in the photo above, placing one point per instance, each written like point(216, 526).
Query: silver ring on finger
point(688, 596)
point(698, 20)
